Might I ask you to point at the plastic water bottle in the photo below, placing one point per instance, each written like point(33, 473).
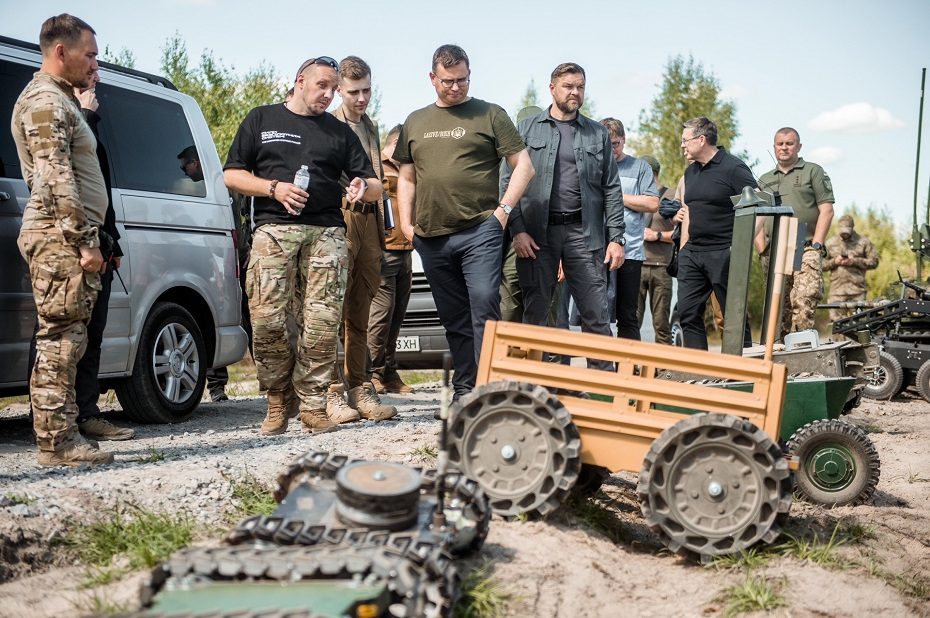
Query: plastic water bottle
point(302, 178)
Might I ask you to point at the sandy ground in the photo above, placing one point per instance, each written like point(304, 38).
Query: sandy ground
point(558, 567)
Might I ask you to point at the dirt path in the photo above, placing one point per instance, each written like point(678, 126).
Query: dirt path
point(592, 558)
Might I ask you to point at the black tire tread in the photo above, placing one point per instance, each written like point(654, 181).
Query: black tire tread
point(561, 420)
point(849, 435)
point(136, 393)
point(680, 542)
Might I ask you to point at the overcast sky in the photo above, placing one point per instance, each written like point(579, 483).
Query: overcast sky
point(846, 74)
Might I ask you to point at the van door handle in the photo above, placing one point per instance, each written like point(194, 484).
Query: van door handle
point(4, 196)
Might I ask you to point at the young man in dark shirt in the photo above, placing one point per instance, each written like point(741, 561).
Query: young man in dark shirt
point(707, 231)
point(299, 248)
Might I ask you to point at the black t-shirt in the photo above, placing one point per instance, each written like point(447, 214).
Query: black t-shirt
point(707, 193)
point(273, 142)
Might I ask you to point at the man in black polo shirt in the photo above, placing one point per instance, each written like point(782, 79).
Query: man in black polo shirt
point(707, 231)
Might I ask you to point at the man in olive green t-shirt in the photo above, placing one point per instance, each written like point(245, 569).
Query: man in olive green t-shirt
point(450, 154)
point(806, 188)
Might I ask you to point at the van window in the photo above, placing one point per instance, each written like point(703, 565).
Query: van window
point(13, 78)
point(144, 136)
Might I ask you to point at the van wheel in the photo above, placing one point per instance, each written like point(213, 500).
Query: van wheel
point(170, 370)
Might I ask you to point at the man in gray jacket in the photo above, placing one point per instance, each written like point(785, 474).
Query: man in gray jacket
point(572, 210)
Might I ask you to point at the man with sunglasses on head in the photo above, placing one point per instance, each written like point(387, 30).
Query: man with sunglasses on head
point(449, 154)
point(299, 246)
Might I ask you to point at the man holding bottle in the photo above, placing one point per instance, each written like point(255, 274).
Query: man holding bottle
point(299, 247)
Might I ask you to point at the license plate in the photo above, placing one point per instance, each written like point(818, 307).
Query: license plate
point(408, 344)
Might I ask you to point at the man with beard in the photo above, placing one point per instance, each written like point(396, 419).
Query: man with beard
point(572, 211)
point(60, 238)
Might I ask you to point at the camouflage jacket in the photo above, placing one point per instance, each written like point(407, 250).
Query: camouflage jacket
point(58, 155)
point(849, 279)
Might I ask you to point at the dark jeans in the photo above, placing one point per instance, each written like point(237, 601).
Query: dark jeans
point(585, 277)
point(87, 382)
point(218, 378)
point(464, 274)
point(628, 299)
point(388, 308)
point(699, 273)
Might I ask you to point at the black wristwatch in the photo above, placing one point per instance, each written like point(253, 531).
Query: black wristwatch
point(818, 247)
point(620, 241)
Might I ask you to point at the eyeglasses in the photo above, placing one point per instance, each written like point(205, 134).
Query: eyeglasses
point(618, 142)
point(323, 60)
point(685, 140)
point(448, 83)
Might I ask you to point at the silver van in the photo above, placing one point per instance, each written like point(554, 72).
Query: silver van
point(175, 306)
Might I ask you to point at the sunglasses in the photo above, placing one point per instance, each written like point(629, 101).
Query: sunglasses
point(323, 60)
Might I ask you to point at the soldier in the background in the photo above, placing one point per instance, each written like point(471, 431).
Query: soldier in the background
point(849, 255)
point(60, 237)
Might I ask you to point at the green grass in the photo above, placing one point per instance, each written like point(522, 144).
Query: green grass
point(426, 453)
point(98, 605)
point(871, 428)
point(815, 550)
point(746, 560)
point(912, 585)
point(480, 595)
point(8, 401)
point(152, 456)
point(15, 498)
point(420, 376)
point(127, 539)
point(253, 497)
point(752, 594)
point(599, 518)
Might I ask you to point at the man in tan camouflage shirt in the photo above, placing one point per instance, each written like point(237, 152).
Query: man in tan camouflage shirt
point(59, 237)
point(849, 255)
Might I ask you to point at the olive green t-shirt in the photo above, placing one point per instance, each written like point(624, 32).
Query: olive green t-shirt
point(804, 187)
point(456, 152)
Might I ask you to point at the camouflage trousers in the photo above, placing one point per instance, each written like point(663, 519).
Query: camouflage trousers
point(839, 297)
point(803, 290)
point(296, 269)
point(64, 295)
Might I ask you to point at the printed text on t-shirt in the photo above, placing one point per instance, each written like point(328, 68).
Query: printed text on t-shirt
point(279, 136)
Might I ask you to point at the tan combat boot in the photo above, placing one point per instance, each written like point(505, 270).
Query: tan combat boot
point(364, 399)
point(293, 402)
point(394, 384)
point(99, 428)
point(316, 421)
point(76, 451)
point(338, 410)
point(275, 422)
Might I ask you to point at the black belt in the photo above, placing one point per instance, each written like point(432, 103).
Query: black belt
point(564, 218)
point(362, 208)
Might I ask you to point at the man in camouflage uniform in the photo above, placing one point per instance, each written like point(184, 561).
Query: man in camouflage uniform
point(59, 236)
point(806, 188)
point(849, 255)
point(298, 256)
